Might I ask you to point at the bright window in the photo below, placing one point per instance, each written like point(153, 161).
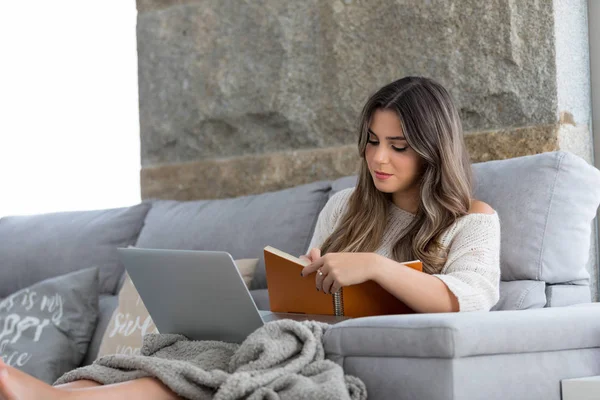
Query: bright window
point(69, 129)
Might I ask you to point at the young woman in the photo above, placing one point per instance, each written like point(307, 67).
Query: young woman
point(413, 200)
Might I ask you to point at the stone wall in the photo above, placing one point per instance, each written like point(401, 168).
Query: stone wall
point(232, 78)
point(240, 97)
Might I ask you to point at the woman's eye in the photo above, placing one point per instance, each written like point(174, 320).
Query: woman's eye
point(375, 143)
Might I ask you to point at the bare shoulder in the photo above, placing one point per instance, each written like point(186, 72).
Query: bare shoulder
point(479, 207)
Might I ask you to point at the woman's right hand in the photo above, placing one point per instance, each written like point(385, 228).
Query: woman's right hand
point(313, 255)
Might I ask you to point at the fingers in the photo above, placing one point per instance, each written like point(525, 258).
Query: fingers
point(323, 281)
point(319, 279)
point(335, 287)
point(312, 267)
point(314, 254)
point(327, 283)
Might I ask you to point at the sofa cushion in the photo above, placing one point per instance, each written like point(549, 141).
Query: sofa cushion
point(521, 295)
point(475, 378)
point(45, 329)
point(566, 295)
point(242, 226)
point(261, 299)
point(34, 248)
point(456, 335)
point(546, 203)
point(343, 183)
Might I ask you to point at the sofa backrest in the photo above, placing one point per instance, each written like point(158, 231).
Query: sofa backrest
point(547, 204)
point(242, 226)
point(37, 247)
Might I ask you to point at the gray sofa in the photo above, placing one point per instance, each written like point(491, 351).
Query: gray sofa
point(543, 329)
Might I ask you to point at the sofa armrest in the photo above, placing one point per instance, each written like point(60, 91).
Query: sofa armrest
point(455, 335)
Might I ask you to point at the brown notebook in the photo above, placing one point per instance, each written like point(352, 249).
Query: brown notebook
point(291, 293)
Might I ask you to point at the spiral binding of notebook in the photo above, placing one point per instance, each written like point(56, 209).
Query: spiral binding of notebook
point(338, 303)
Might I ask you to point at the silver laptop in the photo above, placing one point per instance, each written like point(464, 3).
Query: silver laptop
point(199, 294)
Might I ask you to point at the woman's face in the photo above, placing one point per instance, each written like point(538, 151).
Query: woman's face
point(388, 152)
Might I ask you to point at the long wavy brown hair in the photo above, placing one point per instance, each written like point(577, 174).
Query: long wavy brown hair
point(431, 125)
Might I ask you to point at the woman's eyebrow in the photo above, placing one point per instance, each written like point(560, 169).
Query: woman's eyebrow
point(389, 137)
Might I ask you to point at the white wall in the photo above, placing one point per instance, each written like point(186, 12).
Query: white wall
point(69, 129)
point(594, 40)
point(572, 60)
point(594, 27)
point(571, 35)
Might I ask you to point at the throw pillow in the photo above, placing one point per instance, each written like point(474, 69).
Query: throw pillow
point(131, 321)
point(45, 329)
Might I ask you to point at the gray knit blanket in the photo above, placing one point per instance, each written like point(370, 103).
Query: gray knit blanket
point(283, 359)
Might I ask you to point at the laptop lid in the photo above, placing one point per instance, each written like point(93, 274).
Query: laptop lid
point(199, 294)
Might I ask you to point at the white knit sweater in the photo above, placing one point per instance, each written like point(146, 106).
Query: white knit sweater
point(472, 271)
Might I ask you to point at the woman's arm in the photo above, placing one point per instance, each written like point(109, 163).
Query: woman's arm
point(422, 292)
point(470, 278)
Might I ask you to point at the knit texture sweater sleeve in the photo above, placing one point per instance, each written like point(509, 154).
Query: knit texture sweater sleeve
point(472, 271)
point(329, 217)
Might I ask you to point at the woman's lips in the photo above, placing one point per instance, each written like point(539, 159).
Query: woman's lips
point(382, 176)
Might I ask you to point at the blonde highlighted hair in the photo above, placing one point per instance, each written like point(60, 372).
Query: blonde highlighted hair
point(431, 125)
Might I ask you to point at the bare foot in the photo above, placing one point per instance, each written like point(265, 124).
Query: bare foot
point(17, 385)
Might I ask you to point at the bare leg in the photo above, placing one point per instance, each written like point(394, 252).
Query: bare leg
point(82, 384)
point(17, 385)
point(139, 389)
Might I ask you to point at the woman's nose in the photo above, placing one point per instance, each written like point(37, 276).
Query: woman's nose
point(381, 155)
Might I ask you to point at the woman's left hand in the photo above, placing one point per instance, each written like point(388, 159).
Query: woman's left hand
point(336, 270)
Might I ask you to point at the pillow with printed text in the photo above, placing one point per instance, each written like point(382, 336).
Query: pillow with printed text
point(45, 329)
